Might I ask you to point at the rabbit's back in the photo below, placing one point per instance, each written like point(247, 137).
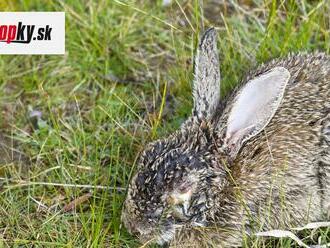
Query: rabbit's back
point(290, 159)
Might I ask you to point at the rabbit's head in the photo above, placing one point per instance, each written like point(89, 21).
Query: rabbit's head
point(179, 178)
point(173, 186)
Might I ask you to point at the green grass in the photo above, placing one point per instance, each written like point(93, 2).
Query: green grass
point(125, 80)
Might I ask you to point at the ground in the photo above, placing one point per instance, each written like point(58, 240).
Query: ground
point(73, 125)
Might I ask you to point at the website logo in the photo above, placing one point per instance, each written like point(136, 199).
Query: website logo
point(32, 33)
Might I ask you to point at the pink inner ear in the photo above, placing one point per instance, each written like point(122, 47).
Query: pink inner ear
point(254, 107)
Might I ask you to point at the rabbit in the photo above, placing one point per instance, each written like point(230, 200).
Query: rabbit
point(256, 160)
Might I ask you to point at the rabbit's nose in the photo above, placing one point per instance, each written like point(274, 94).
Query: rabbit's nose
point(135, 229)
point(135, 232)
point(138, 230)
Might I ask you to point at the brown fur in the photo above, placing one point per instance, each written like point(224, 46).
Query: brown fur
point(280, 177)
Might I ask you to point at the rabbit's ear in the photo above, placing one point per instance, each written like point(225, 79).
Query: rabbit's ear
point(254, 107)
point(206, 88)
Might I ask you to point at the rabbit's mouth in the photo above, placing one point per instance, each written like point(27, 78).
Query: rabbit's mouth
point(165, 238)
point(167, 235)
point(160, 237)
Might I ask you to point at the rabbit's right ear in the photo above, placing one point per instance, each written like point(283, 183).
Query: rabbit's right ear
point(254, 107)
point(206, 88)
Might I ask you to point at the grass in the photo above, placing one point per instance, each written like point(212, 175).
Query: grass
point(125, 80)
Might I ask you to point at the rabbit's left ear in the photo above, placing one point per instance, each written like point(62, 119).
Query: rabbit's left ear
point(254, 107)
point(206, 88)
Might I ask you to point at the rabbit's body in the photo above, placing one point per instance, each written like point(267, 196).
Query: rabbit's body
point(281, 177)
point(294, 147)
point(259, 160)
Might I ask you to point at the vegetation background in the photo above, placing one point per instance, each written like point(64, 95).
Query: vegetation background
point(73, 125)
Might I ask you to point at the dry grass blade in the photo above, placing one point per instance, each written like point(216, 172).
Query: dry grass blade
point(313, 225)
point(76, 202)
point(291, 235)
point(282, 234)
point(22, 183)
